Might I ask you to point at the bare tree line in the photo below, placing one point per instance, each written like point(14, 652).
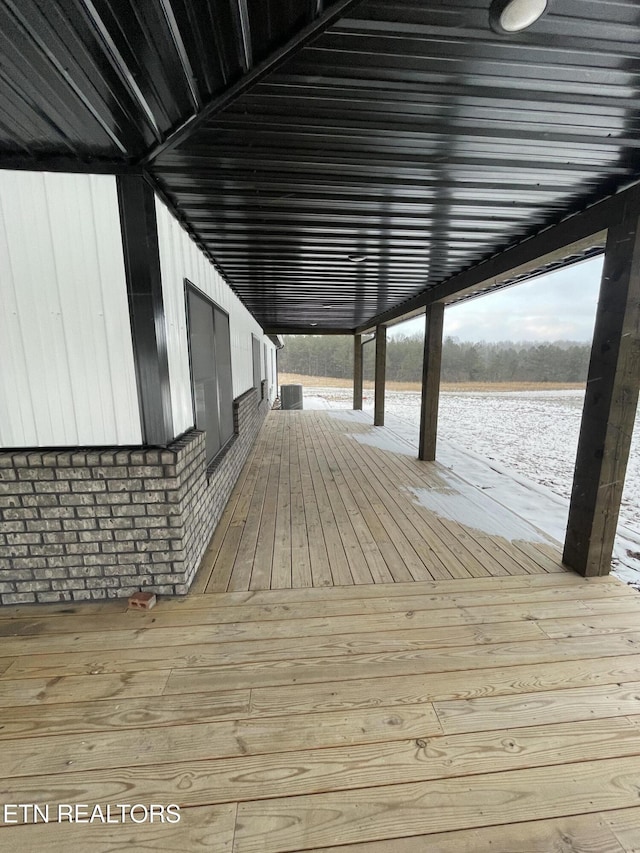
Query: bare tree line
point(462, 361)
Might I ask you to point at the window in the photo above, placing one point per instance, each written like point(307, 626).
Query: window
point(257, 370)
point(210, 356)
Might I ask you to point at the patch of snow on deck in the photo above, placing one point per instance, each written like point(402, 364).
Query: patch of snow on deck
point(313, 402)
point(384, 441)
point(478, 511)
point(524, 446)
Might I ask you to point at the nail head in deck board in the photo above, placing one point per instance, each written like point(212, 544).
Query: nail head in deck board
point(610, 406)
point(452, 804)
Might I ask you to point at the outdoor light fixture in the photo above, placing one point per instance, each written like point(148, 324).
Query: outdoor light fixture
point(357, 259)
point(513, 16)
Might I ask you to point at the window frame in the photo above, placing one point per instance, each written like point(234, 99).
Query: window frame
point(256, 351)
point(189, 286)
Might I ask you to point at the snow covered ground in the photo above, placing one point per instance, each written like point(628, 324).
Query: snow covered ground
point(520, 445)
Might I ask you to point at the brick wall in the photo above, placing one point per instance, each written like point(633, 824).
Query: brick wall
point(96, 523)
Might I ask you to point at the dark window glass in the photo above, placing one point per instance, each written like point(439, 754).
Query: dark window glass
point(255, 345)
point(210, 354)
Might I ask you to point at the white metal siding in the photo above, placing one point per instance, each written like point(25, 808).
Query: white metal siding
point(67, 374)
point(180, 258)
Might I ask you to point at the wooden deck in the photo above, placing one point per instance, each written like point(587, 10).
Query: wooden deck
point(449, 716)
point(326, 499)
point(410, 682)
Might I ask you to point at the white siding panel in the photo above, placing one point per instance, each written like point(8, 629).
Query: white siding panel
point(67, 375)
point(180, 258)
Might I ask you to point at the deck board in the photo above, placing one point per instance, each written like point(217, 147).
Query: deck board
point(586, 834)
point(395, 811)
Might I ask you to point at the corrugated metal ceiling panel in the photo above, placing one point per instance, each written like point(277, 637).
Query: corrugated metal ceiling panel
point(411, 134)
point(111, 78)
point(408, 134)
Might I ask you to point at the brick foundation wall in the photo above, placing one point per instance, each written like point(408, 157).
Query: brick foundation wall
point(95, 523)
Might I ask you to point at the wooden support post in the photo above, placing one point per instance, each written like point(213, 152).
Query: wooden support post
point(146, 307)
point(380, 375)
point(432, 361)
point(357, 372)
point(610, 405)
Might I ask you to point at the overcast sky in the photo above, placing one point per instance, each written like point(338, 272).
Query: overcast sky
point(559, 306)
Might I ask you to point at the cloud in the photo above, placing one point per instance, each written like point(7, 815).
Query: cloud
point(558, 306)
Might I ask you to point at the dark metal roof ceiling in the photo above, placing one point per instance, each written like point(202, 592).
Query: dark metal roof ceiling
point(408, 132)
point(112, 78)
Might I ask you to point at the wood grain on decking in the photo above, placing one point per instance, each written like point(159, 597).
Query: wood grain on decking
point(326, 500)
point(475, 715)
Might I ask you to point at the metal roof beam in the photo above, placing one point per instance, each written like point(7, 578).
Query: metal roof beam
point(241, 14)
point(253, 76)
point(305, 330)
point(574, 234)
point(67, 163)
